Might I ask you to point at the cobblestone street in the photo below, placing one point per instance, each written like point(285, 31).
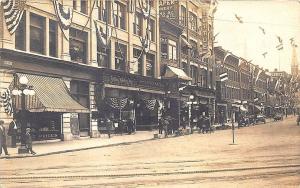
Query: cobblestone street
point(264, 155)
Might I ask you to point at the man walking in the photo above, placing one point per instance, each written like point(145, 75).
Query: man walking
point(3, 138)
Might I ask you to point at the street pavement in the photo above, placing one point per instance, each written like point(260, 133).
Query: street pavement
point(265, 155)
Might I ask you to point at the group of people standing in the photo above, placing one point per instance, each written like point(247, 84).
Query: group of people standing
point(13, 132)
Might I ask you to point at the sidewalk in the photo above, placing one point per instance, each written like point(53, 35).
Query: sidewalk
point(52, 148)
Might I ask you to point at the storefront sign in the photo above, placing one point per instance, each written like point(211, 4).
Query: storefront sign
point(47, 135)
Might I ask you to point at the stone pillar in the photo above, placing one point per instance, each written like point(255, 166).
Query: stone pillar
point(6, 39)
point(112, 54)
point(47, 37)
point(93, 122)
point(6, 77)
point(27, 31)
point(66, 126)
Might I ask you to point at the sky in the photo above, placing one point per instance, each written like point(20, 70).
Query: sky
point(276, 17)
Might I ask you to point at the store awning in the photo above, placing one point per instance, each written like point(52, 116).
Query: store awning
point(173, 72)
point(185, 43)
point(51, 95)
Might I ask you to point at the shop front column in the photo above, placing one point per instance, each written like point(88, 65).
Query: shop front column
point(6, 39)
point(66, 119)
point(93, 108)
point(6, 77)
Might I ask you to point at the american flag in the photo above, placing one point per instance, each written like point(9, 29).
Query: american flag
point(13, 12)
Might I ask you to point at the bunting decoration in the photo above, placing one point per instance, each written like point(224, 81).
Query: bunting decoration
point(6, 102)
point(145, 6)
point(13, 12)
point(117, 103)
point(64, 15)
point(150, 103)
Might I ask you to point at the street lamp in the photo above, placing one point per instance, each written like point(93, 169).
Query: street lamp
point(22, 89)
point(191, 102)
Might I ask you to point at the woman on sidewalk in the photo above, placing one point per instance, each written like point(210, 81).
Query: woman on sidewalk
point(3, 138)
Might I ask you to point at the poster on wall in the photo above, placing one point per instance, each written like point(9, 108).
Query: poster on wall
point(74, 124)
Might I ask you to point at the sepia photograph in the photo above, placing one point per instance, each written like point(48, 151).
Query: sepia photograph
point(149, 93)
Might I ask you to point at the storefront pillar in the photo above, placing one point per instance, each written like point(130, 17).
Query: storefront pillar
point(93, 122)
point(6, 77)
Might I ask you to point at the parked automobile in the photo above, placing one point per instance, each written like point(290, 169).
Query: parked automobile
point(278, 117)
point(260, 118)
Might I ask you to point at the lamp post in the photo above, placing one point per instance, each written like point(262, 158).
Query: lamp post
point(23, 90)
point(191, 102)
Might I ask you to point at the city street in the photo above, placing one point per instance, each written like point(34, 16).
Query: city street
point(265, 155)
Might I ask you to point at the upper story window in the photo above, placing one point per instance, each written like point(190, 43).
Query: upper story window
point(119, 11)
point(172, 52)
point(183, 15)
point(74, 4)
point(83, 6)
point(52, 38)
point(138, 55)
point(152, 30)
point(78, 45)
point(193, 22)
point(37, 30)
point(102, 55)
point(150, 61)
point(138, 24)
point(120, 56)
point(20, 39)
point(103, 10)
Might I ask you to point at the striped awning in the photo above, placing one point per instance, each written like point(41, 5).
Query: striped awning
point(173, 72)
point(51, 95)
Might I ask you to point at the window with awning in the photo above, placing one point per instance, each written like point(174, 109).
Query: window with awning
point(173, 72)
point(51, 95)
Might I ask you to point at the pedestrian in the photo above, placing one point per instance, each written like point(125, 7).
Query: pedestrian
point(160, 126)
point(3, 138)
point(108, 127)
point(28, 141)
point(130, 126)
point(165, 124)
point(12, 131)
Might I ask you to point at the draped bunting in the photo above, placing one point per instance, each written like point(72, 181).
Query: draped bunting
point(117, 103)
point(13, 12)
point(145, 8)
point(150, 104)
point(6, 101)
point(64, 15)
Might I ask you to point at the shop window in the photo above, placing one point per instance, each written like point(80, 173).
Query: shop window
point(172, 52)
point(83, 6)
point(78, 45)
point(152, 30)
point(138, 55)
point(119, 11)
point(138, 24)
point(80, 92)
point(150, 65)
point(37, 30)
point(52, 38)
point(120, 56)
point(20, 38)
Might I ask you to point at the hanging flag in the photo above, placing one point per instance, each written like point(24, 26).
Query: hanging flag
point(257, 76)
point(223, 77)
point(145, 8)
point(277, 83)
point(64, 16)
point(13, 12)
point(213, 7)
point(100, 36)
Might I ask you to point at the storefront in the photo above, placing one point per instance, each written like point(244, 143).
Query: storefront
point(121, 97)
point(44, 110)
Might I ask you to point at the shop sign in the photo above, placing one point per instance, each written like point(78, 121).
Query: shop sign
point(46, 135)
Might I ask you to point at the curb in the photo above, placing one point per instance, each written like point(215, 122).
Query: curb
point(74, 150)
